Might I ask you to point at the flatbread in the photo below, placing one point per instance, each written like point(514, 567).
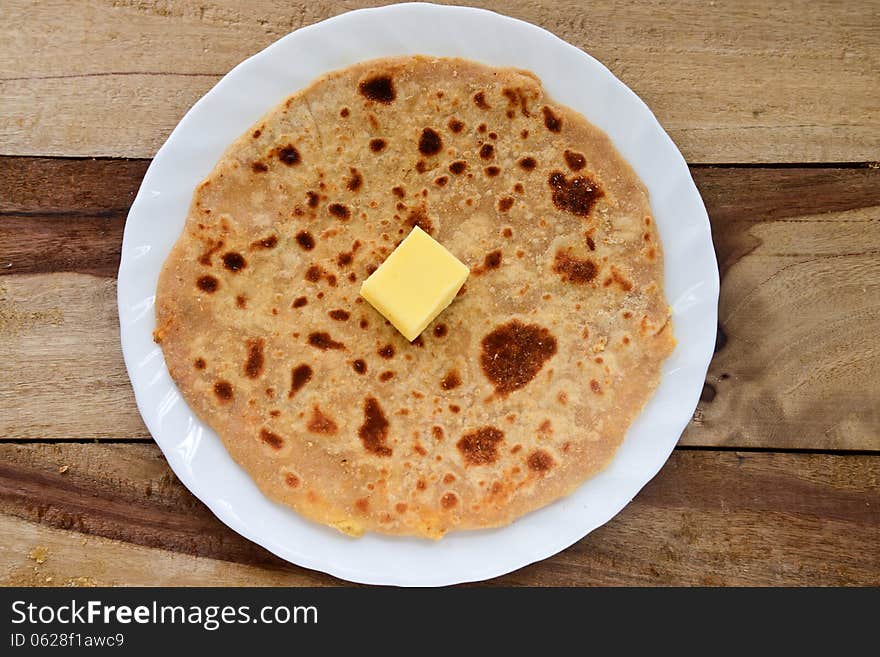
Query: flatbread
point(518, 392)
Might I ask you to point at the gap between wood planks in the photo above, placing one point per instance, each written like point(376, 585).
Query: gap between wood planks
point(831, 164)
point(680, 448)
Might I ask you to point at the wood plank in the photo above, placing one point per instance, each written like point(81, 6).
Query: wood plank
point(37, 555)
point(63, 375)
point(731, 81)
point(799, 310)
point(799, 304)
point(708, 518)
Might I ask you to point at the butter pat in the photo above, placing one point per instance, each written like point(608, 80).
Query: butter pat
point(415, 283)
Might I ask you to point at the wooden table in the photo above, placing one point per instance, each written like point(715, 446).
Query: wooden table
point(776, 108)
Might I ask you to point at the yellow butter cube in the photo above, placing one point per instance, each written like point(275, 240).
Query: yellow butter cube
point(415, 283)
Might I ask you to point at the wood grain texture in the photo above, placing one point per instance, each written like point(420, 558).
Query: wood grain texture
point(744, 81)
point(116, 515)
point(37, 555)
point(800, 305)
point(799, 310)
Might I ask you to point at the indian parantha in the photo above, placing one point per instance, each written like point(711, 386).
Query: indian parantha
point(518, 392)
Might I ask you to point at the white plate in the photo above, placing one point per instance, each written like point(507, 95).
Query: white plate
point(253, 87)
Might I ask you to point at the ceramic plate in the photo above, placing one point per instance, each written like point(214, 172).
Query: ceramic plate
point(256, 85)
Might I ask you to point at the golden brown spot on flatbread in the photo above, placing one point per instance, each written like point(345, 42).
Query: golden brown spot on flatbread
point(259, 167)
point(299, 377)
point(359, 365)
point(374, 430)
point(322, 340)
point(540, 461)
point(377, 145)
point(256, 133)
point(273, 440)
point(527, 163)
point(546, 427)
point(507, 232)
point(206, 257)
point(616, 277)
point(576, 196)
point(299, 302)
point(199, 363)
point(480, 447)
point(575, 161)
point(312, 199)
point(480, 100)
point(455, 408)
point(458, 167)
point(441, 181)
point(440, 330)
point(418, 217)
point(253, 366)
point(362, 505)
point(291, 480)
point(487, 151)
point(340, 211)
point(401, 507)
point(344, 112)
point(505, 203)
point(591, 245)
point(514, 353)
point(305, 240)
point(449, 501)
point(455, 125)
point(451, 380)
point(241, 301)
point(321, 423)
point(378, 88)
point(551, 121)
point(288, 154)
point(490, 262)
point(385, 376)
point(492, 171)
point(398, 191)
point(355, 180)
point(430, 142)
point(339, 315)
point(437, 432)
point(208, 284)
point(268, 242)
point(574, 270)
point(448, 478)
point(223, 390)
